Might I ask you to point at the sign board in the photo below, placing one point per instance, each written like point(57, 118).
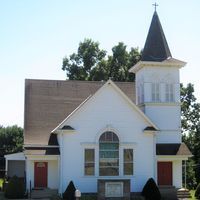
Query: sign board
point(114, 189)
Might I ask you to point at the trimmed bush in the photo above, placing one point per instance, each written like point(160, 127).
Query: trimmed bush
point(151, 191)
point(69, 193)
point(14, 188)
point(197, 192)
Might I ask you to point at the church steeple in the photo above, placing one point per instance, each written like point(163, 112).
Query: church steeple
point(156, 47)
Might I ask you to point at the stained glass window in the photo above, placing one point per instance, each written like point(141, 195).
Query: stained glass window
point(108, 154)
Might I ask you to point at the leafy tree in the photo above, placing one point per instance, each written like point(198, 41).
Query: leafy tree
point(190, 114)
point(121, 61)
point(189, 110)
point(79, 65)
point(190, 174)
point(11, 139)
point(197, 192)
point(91, 63)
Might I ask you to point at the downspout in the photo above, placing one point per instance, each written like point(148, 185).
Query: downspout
point(28, 178)
point(185, 174)
point(26, 173)
point(6, 167)
point(155, 157)
point(61, 162)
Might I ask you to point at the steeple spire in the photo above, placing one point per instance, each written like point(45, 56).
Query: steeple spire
point(156, 47)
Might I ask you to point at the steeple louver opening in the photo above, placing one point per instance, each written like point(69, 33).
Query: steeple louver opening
point(156, 47)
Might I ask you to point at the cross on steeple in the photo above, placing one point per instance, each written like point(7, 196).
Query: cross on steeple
point(155, 5)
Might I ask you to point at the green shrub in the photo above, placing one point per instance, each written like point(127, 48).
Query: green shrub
point(15, 188)
point(197, 192)
point(69, 193)
point(151, 191)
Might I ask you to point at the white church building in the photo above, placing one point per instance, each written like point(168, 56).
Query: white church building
point(107, 137)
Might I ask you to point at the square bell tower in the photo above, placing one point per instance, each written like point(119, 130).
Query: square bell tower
point(158, 84)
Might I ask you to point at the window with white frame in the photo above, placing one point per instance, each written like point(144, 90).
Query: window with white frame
point(155, 92)
point(169, 92)
point(108, 154)
point(89, 162)
point(128, 161)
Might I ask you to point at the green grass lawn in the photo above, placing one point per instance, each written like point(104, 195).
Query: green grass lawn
point(1, 193)
point(1, 182)
point(192, 194)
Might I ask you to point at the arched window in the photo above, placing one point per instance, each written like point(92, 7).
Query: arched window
point(108, 154)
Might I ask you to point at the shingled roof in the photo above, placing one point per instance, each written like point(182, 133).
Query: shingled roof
point(156, 47)
point(175, 149)
point(49, 102)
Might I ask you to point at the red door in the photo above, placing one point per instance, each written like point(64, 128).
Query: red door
point(40, 174)
point(164, 173)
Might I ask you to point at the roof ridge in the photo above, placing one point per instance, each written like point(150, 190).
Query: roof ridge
point(81, 81)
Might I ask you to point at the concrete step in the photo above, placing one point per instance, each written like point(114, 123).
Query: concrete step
point(166, 187)
point(184, 196)
point(183, 193)
point(45, 193)
point(168, 192)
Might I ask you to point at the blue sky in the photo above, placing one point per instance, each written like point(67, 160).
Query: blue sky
point(35, 35)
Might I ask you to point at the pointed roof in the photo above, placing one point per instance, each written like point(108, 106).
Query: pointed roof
point(116, 88)
point(156, 47)
point(57, 99)
point(178, 149)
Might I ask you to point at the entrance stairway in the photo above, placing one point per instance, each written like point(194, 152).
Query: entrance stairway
point(168, 192)
point(171, 193)
point(43, 193)
point(183, 194)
